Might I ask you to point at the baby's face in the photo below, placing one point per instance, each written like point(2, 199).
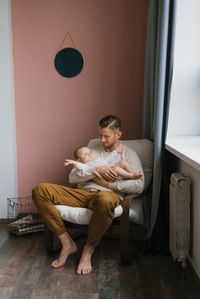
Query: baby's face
point(85, 155)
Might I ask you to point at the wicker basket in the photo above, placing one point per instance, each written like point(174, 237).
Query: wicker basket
point(25, 216)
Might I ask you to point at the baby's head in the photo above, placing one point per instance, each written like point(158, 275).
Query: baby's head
point(83, 154)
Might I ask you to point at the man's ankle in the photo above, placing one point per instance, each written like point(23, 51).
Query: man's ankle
point(88, 249)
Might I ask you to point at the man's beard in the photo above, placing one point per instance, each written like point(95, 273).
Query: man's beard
point(109, 146)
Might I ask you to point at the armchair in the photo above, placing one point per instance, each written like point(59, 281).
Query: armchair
point(130, 214)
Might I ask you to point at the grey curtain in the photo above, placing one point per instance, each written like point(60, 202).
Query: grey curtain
point(158, 76)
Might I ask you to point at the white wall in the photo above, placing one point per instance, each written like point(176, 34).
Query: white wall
point(184, 116)
point(8, 172)
point(195, 208)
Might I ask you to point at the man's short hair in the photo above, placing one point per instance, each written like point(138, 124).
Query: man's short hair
point(110, 122)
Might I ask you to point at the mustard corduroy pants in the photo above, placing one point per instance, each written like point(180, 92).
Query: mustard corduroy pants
point(102, 203)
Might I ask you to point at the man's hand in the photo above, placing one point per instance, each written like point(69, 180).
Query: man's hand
point(70, 162)
point(97, 174)
point(107, 172)
point(101, 181)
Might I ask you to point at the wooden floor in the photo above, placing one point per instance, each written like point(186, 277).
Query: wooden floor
point(25, 273)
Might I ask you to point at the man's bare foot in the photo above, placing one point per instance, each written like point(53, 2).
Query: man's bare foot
point(84, 266)
point(68, 248)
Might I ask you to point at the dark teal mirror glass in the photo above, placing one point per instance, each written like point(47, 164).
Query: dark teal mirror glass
point(68, 62)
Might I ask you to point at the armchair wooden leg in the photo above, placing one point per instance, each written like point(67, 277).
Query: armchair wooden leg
point(52, 243)
point(129, 252)
point(124, 237)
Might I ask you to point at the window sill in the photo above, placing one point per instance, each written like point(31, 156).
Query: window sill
point(187, 148)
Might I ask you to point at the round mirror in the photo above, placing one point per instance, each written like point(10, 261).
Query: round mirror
point(68, 62)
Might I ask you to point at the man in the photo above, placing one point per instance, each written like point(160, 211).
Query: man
point(93, 192)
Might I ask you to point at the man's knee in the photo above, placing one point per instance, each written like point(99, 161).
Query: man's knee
point(108, 199)
point(38, 191)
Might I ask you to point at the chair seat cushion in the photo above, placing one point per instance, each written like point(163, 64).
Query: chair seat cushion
point(83, 215)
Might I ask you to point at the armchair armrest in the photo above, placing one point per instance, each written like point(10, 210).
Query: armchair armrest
point(126, 202)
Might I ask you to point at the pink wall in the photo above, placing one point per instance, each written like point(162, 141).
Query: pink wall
point(56, 114)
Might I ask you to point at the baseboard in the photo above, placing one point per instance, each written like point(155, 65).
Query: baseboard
point(4, 221)
point(194, 275)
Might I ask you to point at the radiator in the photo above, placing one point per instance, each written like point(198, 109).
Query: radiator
point(179, 217)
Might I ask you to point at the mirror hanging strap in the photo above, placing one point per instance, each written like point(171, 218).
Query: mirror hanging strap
point(67, 34)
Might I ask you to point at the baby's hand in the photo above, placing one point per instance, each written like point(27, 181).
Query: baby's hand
point(120, 149)
point(70, 162)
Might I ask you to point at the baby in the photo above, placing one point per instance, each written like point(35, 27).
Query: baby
point(85, 162)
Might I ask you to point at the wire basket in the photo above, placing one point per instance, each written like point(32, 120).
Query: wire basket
point(24, 213)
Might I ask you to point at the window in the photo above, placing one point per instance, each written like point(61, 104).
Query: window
point(183, 137)
point(184, 114)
